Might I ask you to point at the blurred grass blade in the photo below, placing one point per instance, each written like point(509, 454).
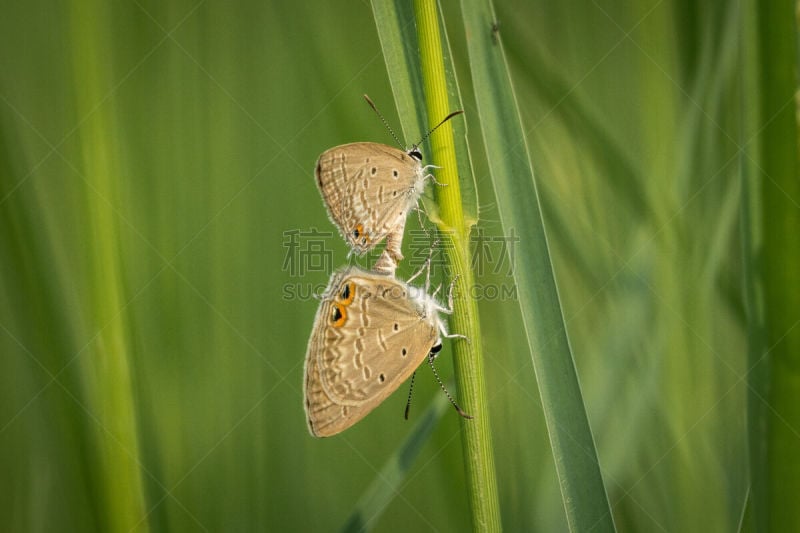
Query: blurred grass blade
point(616, 164)
point(106, 369)
point(771, 218)
point(581, 482)
point(388, 482)
point(746, 518)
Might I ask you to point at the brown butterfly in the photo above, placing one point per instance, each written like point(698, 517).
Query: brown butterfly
point(369, 189)
point(370, 334)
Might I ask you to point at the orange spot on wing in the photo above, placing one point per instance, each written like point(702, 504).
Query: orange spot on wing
point(338, 315)
point(347, 293)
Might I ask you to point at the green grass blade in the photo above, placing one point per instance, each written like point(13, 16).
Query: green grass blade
point(746, 518)
point(107, 395)
point(771, 218)
point(580, 479)
point(454, 227)
point(612, 159)
point(400, 45)
point(395, 23)
point(455, 216)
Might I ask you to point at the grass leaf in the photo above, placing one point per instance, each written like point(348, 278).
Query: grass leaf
point(583, 493)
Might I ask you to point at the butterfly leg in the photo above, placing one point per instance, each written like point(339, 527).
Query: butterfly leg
point(419, 211)
point(422, 269)
point(446, 335)
point(438, 288)
point(431, 177)
point(449, 308)
point(455, 336)
point(449, 311)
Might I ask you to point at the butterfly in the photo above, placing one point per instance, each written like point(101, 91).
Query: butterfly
point(369, 189)
point(370, 334)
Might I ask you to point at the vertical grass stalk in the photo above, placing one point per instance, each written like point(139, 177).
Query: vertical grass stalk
point(574, 453)
point(107, 395)
point(771, 219)
point(468, 362)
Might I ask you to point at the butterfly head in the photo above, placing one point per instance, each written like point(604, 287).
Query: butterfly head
point(415, 153)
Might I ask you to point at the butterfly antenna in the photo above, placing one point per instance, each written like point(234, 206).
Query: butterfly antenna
point(410, 390)
point(445, 119)
point(388, 127)
point(438, 379)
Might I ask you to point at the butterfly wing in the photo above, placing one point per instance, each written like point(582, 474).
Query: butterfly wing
point(368, 189)
point(352, 365)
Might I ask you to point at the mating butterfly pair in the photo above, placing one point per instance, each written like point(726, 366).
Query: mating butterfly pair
point(371, 331)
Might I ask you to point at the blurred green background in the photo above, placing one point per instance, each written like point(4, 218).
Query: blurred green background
point(155, 158)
